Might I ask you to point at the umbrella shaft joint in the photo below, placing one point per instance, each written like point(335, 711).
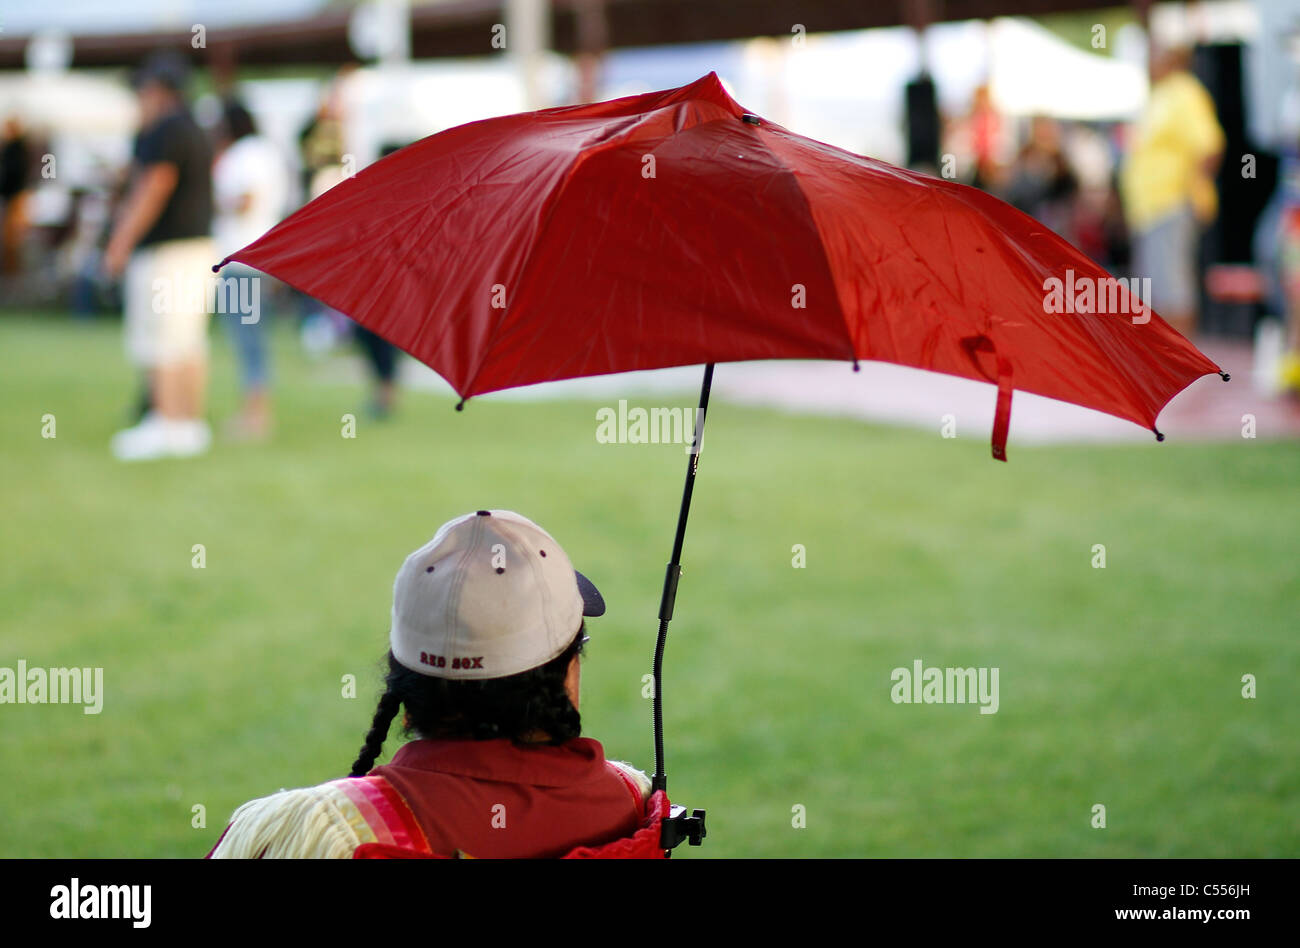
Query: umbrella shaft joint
point(669, 599)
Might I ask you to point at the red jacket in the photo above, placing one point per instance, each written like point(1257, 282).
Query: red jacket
point(491, 799)
point(485, 799)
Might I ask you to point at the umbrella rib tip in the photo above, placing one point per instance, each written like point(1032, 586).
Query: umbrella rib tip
point(1225, 376)
point(1159, 436)
point(460, 405)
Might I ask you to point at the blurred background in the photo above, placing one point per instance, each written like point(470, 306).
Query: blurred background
point(1049, 104)
point(1034, 100)
point(1041, 102)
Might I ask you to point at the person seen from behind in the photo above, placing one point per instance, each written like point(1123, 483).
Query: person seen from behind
point(488, 623)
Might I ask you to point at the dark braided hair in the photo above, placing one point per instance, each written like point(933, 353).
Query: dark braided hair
point(389, 703)
point(517, 707)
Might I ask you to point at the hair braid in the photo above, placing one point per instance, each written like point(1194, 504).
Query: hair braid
point(389, 704)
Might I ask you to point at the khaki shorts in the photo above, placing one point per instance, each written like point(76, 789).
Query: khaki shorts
point(166, 294)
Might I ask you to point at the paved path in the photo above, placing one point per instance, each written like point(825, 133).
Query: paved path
point(1208, 409)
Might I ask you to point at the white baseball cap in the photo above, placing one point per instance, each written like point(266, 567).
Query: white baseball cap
point(492, 594)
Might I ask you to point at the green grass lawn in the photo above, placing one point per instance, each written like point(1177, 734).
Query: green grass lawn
point(1118, 686)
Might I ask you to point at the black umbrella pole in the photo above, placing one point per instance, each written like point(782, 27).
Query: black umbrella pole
point(674, 572)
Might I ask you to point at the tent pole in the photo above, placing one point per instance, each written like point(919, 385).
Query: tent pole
point(669, 598)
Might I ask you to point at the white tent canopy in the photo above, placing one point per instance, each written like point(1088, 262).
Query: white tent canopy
point(1033, 72)
point(68, 102)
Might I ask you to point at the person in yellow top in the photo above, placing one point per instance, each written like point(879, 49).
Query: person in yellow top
point(1167, 184)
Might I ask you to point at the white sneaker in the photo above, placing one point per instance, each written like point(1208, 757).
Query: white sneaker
point(145, 442)
point(185, 439)
point(156, 437)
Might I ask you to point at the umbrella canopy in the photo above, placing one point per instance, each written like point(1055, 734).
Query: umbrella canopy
point(674, 228)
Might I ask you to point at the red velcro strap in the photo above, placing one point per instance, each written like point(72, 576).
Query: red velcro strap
point(643, 844)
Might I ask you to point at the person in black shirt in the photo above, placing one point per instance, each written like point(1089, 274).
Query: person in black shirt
point(161, 247)
point(14, 159)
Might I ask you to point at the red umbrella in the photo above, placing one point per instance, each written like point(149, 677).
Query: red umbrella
point(675, 228)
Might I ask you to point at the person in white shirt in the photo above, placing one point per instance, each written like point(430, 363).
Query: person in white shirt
point(251, 192)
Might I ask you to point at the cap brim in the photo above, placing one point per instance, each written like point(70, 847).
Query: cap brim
point(593, 604)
